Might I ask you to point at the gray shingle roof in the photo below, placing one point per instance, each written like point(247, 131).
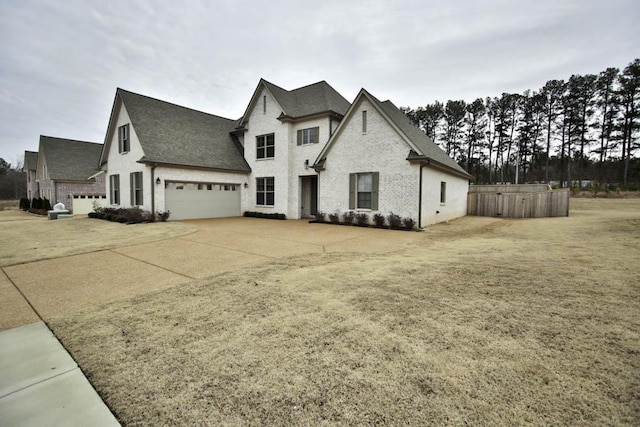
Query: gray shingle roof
point(68, 159)
point(171, 134)
point(30, 160)
point(312, 99)
point(426, 146)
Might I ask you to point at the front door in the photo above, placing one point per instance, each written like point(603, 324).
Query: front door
point(308, 196)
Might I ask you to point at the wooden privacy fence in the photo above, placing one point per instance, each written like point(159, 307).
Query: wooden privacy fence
point(517, 201)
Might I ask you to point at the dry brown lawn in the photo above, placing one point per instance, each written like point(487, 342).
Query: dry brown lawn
point(27, 237)
point(482, 322)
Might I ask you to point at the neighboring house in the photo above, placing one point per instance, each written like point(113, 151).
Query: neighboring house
point(29, 167)
point(377, 161)
point(164, 157)
point(67, 171)
point(293, 152)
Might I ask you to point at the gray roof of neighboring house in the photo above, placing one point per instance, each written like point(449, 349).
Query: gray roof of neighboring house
point(30, 160)
point(68, 159)
point(426, 145)
point(171, 134)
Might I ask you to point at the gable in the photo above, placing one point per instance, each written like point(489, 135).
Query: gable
point(419, 147)
point(170, 134)
point(66, 159)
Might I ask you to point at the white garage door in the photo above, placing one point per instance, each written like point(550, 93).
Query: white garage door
point(187, 200)
point(83, 204)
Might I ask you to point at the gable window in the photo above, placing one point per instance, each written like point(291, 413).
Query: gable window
point(123, 139)
point(363, 190)
point(136, 188)
point(114, 189)
point(265, 146)
point(443, 192)
point(309, 136)
point(264, 104)
point(265, 191)
point(364, 121)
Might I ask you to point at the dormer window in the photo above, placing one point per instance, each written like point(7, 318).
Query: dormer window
point(123, 139)
point(364, 121)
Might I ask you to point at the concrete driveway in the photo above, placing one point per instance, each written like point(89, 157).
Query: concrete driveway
point(61, 286)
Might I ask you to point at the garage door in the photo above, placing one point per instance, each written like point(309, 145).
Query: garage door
point(83, 204)
point(187, 200)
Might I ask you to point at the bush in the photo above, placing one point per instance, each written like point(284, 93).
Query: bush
point(362, 219)
point(409, 223)
point(46, 205)
point(319, 216)
point(249, 214)
point(395, 221)
point(347, 217)
point(36, 203)
point(378, 220)
point(162, 216)
point(334, 218)
point(25, 205)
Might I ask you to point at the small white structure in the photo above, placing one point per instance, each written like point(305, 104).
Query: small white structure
point(59, 207)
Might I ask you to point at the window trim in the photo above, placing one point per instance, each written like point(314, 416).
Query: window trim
point(266, 146)
point(124, 139)
point(114, 189)
point(353, 190)
point(308, 136)
point(136, 188)
point(264, 183)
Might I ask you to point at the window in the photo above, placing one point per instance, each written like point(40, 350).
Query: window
point(114, 189)
point(443, 192)
point(209, 187)
point(309, 136)
point(123, 139)
point(265, 191)
point(265, 146)
point(363, 190)
point(364, 121)
point(228, 187)
point(136, 188)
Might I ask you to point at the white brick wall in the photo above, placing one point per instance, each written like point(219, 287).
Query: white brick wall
point(126, 163)
point(380, 150)
point(455, 205)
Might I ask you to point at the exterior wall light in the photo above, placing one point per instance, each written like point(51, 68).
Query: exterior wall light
point(158, 181)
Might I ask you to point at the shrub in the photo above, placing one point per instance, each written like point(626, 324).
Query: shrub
point(362, 219)
point(249, 214)
point(334, 218)
point(162, 216)
point(46, 205)
point(395, 221)
point(36, 203)
point(25, 205)
point(378, 220)
point(319, 216)
point(409, 223)
point(347, 217)
point(121, 219)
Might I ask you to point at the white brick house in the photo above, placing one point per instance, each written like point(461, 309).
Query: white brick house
point(377, 161)
point(293, 152)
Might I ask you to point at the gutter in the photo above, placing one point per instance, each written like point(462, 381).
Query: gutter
point(153, 189)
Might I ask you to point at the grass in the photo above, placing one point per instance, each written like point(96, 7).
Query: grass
point(6, 205)
point(483, 322)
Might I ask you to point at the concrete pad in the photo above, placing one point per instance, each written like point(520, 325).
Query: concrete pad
point(40, 384)
point(28, 355)
point(61, 286)
point(192, 259)
point(268, 246)
point(14, 309)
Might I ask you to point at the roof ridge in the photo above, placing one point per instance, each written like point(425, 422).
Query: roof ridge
point(70, 140)
point(171, 103)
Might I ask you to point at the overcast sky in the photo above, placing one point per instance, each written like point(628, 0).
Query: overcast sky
point(62, 60)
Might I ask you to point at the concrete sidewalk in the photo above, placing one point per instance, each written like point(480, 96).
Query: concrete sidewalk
point(40, 384)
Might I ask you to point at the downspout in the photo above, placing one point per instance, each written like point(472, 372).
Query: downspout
point(420, 198)
point(153, 190)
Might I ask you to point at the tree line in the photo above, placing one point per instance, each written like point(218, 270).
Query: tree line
point(584, 128)
point(13, 182)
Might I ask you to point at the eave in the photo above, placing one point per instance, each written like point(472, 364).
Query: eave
point(285, 118)
point(194, 167)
